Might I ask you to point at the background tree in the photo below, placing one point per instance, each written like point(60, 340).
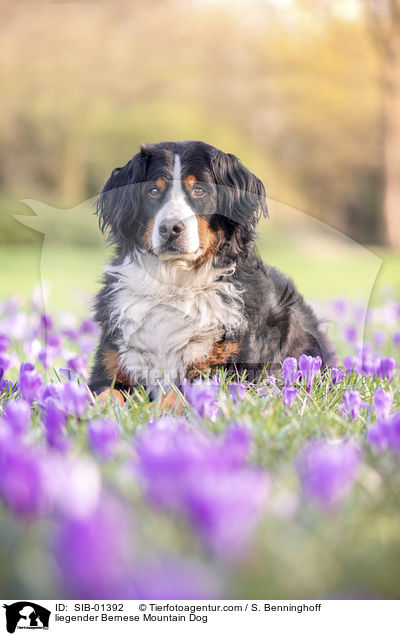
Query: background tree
point(384, 22)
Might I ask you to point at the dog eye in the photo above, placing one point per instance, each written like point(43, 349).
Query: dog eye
point(154, 192)
point(198, 191)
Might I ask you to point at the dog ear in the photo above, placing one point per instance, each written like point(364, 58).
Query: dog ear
point(241, 195)
point(119, 201)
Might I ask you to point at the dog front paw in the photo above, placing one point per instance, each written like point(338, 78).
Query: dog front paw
point(111, 394)
point(171, 403)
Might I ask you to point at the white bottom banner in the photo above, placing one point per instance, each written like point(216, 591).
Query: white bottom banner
point(169, 617)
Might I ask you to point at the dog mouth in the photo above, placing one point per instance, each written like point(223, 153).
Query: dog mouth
point(170, 253)
point(174, 250)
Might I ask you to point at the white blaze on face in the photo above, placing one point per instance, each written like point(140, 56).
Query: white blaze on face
point(176, 209)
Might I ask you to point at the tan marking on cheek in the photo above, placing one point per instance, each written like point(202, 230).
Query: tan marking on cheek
point(220, 354)
point(207, 235)
point(189, 182)
point(112, 365)
point(210, 240)
point(147, 236)
point(161, 184)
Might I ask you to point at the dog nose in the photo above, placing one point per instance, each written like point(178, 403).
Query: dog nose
point(171, 229)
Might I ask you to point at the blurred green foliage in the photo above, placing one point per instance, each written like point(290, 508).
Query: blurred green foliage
point(294, 92)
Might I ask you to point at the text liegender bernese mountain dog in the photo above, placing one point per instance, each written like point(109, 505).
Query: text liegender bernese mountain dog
point(187, 291)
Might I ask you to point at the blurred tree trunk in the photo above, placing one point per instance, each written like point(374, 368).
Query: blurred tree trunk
point(384, 19)
point(391, 201)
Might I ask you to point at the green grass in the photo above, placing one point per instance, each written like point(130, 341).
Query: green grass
point(320, 274)
point(71, 272)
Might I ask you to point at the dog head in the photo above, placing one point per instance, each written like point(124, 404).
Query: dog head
point(185, 201)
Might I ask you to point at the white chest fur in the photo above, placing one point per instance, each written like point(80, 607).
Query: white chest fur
point(170, 316)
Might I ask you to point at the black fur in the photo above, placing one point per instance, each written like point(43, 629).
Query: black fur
point(280, 323)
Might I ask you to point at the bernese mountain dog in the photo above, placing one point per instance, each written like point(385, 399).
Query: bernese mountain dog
point(187, 291)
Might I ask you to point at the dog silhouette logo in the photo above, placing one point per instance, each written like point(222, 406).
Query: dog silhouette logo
point(26, 615)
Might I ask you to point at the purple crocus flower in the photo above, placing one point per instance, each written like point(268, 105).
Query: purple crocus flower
point(377, 435)
point(380, 338)
point(165, 454)
point(54, 422)
point(86, 346)
point(383, 401)
point(6, 385)
point(75, 398)
point(368, 360)
point(370, 363)
point(224, 507)
point(50, 391)
point(351, 364)
point(337, 375)
point(16, 416)
point(237, 391)
point(328, 471)
point(203, 398)
point(47, 356)
point(386, 368)
point(29, 383)
point(23, 481)
point(393, 426)
point(350, 333)
point(78, 363)
point(191, 472)
point(26, 366)
point(89, 326)
point(289, 369)
point(94, 553)
point(4, 342)
point(340, 306)
point(69, 374)
point(360, 313)
point(46, 322)
point(236, 444)
point(289, 396)
point(71, 333)
point(11, 305)
point(396, 338)
point(103, 437)
point(54, 340)
point(386, 434)
point(309, 368)
point(5, 361)
point(352, 403)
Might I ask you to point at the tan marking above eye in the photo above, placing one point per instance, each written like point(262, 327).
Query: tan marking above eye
point(189, 182)
point(161, 183)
